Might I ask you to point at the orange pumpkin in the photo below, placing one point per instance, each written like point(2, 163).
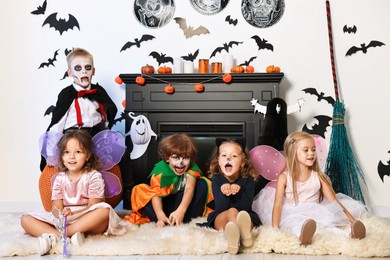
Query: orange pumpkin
point(169, 89)
point(118, 80)
point(249, 69)
point(237, 69)
point(272, 69)
point(140, 80)
point(199, 87)
point(227, 78)
point(164, 70)
point(147, 69)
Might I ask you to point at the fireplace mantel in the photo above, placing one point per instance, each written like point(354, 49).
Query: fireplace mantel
point(222, 110)
point(218, 95)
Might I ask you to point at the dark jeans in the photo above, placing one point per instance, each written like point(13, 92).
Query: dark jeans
point(172, 201)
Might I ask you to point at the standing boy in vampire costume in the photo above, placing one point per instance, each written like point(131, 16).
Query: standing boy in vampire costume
point(86, 106)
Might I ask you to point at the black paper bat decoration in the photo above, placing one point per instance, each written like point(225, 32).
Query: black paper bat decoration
point(190, 56)
point(49, 61)
point(383, 169)
point(226, 47)
point(363, 47)
point(320, 96)
point(66, 51)
point(61, 25)
point(40, 9)
point(347, 29)
point(247, 62)
point(189, 31)
point(49, 110)
point(161, 58)
point(65, 75)
point(320, 128)
point(137, 42)
point(262, 43)
point(231, 21)
point(123, 116)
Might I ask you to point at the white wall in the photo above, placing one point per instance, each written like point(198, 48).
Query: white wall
point(301, 49)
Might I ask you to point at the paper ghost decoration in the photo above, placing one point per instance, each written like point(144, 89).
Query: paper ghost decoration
point(141, 133)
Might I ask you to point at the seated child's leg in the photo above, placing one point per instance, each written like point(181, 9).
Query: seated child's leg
point(198, 202)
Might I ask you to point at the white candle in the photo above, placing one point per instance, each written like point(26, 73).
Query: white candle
point(188, 67)
point(227, 63)
point(178, 65)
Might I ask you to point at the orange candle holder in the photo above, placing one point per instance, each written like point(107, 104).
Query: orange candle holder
point(216, 67)
point(203, 66)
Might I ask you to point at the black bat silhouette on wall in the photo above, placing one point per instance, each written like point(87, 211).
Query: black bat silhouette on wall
point(226, 47)
point(61, 25)
point(161, 58)
point(190, 56)
point(40, 9)
point(248, 62)
point(49, 61)
point(347, 29)
point(137, 42)
point(231, 21)
point(262, 43)
point(189, 31)
point(320, 128)
point(384, 169)
point(123, 116)
point(66, 51)
point(363, 47)
point(320, 96)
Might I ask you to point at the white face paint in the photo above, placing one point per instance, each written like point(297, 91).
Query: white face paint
point(82, 70)
point(230, 159)
point(178, 164)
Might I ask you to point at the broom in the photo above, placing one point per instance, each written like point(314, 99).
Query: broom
point(341, 164)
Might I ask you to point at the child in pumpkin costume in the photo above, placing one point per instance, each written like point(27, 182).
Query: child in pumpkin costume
point(177, 192)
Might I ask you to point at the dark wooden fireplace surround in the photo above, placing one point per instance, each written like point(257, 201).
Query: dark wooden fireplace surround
point(222, 110)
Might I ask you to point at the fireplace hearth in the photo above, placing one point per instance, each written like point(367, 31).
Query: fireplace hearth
point(222, 110)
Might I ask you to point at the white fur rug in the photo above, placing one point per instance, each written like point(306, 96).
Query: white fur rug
point(190, 239)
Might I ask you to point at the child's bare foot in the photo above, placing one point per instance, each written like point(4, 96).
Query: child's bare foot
point(232, 234)
point(358, 230)
point(307, 232)
point(244, 223)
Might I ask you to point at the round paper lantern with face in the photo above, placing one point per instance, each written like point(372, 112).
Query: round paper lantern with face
point(141, 133)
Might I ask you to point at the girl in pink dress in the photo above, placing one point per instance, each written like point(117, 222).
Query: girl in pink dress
point(304, 198)
point(77, 194)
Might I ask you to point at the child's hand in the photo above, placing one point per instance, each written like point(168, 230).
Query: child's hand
point(66, 212)
point(162, 222)
point(176, 217)
point(225, 189)
point(234, 189)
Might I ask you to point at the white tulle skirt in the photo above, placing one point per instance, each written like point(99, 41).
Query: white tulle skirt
point(327, 214)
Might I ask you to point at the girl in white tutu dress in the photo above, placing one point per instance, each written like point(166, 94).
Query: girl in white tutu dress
point(77, 194)
point(304, 198)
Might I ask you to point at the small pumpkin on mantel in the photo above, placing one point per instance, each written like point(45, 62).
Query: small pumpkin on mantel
point(169, 89)
point(164, 70)
point(147, 69)
point(227, 78)
point(272, 69)
point(199, 87)
point(140, 80)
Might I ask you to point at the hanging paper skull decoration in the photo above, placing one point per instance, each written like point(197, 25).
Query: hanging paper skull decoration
point(141, 134)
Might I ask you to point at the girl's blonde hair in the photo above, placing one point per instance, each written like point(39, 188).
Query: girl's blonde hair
point(290, 150)
point(86, 143)
point(246, 170)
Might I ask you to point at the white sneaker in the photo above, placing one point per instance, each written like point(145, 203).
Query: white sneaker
point(46, 242)
point(77, 239)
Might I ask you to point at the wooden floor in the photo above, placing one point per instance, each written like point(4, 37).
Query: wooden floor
point(206, 257)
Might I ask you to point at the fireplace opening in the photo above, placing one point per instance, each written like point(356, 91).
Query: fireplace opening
point(203, 134)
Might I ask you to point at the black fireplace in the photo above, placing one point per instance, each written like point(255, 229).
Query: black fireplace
point(222, 110)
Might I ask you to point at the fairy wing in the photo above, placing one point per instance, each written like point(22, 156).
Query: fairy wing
point(48, 146)
point(109, 147)
point(268, 162)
